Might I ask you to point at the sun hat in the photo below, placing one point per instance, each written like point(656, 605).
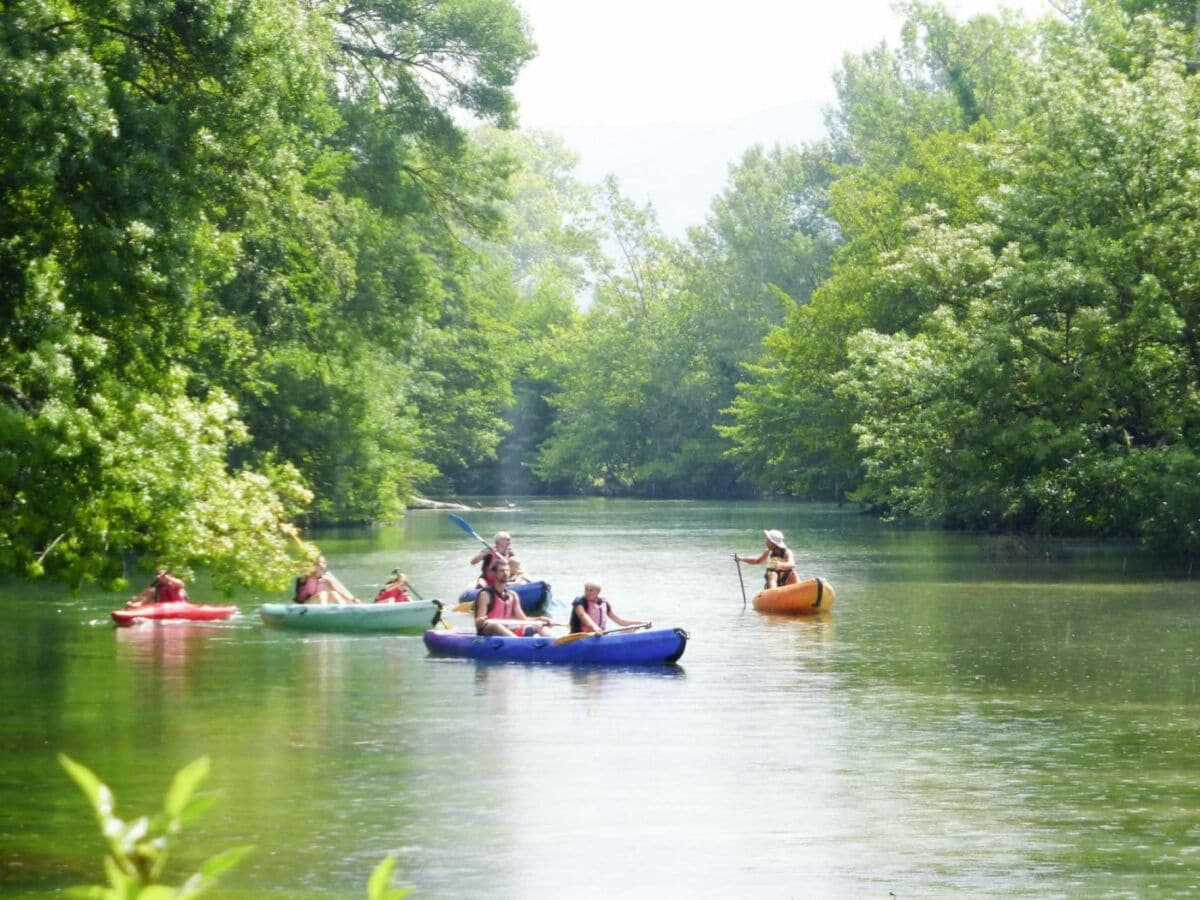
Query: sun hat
point(775, 536)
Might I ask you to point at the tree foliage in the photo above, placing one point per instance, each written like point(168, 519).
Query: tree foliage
point(231, 267)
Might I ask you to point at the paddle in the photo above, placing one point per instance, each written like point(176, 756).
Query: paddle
point(466, 526)
point(738, 560)
point(437, 617)
point(597, 634)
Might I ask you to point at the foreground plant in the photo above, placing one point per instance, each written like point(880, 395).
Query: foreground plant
point(138, 850)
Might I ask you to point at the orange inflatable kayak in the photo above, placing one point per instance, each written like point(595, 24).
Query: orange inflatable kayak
point(807, 597)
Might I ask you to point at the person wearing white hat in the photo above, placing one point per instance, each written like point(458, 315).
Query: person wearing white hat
point(781, 564)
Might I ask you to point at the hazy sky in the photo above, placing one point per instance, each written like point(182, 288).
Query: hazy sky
point(640, 62)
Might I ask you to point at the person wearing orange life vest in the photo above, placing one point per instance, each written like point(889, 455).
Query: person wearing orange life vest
point(395, 590)
point(165, 588)
point(592, 612)
point(498, 610)
point(781, 564)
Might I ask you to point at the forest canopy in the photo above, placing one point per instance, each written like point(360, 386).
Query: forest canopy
point(257, 272)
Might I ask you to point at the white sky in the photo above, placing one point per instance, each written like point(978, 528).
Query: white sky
point(641, 62)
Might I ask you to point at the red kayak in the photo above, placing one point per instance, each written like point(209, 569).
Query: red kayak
point(190, 612)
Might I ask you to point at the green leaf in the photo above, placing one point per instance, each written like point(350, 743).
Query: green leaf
point(197, 806)
point(218, 865)
point(184, 785)
point(377, 884)
point(85, 778)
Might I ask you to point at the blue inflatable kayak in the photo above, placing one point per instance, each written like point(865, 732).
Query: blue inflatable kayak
point(534, 595)
point(657, 647)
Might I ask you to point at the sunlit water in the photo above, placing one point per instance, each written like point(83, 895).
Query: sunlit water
point(977, 716)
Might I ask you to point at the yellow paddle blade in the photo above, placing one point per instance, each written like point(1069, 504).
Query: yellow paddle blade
point(574, 637)
point(465, 606)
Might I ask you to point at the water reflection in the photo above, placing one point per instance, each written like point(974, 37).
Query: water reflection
point(962, 724)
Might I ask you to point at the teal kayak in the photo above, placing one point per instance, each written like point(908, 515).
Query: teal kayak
point(364, 618)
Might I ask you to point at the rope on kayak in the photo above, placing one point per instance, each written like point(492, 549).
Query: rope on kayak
point(820, 592)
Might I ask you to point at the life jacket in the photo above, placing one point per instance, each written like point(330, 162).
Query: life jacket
point(500, 607)
point(169, 590)
point(785, 576)
point(306, 586)
point(598, 612)
point(395, 594)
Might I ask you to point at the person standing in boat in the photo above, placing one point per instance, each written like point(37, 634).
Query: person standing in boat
point(499, 549)
point(592, 612)
point(395, 590)
point(498, 610)
point(781, 564)
point(165, 588)
point(322, 587)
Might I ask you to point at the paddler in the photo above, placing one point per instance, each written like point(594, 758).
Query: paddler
point(498, 609)
point(322, 587)
point(592, 612)
point(165, 588)
point(500, 549)
point(395, 590)
point(781, 564)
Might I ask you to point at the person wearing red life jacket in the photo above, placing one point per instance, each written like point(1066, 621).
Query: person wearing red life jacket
point(781, 564)
point(165, 588)
point(499, 550)
point(592, 612)
point(396, 589)
point(498, 610)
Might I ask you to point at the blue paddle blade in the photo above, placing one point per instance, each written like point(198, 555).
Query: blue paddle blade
point(463, 524)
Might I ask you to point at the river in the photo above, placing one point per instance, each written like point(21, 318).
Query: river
point(977, 716)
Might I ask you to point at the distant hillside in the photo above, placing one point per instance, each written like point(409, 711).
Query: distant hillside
point(680, 168)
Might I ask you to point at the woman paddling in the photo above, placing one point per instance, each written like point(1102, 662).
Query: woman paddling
point(781, 565)
point(165, 588)
point(498, 551)
point(591, 612)
point(320, 586)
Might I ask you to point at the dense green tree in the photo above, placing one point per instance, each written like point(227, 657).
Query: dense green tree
point(262, 201)
point(1063, 395)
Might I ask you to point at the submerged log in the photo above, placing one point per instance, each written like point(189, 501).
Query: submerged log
point(423, 503)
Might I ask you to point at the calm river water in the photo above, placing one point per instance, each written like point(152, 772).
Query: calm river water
point(977, 716)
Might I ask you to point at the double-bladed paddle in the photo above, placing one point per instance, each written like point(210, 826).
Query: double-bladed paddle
point(579, 635)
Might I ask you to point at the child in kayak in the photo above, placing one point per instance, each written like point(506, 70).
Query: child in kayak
point(498, 610)
point(516, 575)
point(396, 589)
point(500, 549)
point(592, 612)
point(320, 586)
point(781, 564)
point(165, 588)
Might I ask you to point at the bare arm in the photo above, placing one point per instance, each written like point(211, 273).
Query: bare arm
point(756, 560)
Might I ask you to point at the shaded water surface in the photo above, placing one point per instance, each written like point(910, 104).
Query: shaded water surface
point(982, 716)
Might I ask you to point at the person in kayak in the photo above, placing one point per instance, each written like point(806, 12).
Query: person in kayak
point(395, 590)
point(516, 574)
point(165, 588)
point(498, 610)
point(499, 549)
point(781, 564)
point(592, 612)
point(322, 587)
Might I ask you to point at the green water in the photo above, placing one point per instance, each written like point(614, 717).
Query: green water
point(978, 716)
